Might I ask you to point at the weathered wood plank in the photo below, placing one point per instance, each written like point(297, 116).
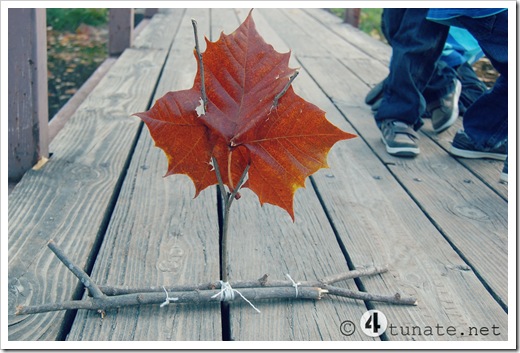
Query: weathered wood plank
point(27, 92)
point(470, 215)
point(68, 199)
point(264, 240)
point(379, 222)
point(161, 28)
point(373, 48)
point(160, 235)
point(440, 175)
point(487, 170)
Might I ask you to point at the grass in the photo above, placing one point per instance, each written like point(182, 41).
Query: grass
point(70, 19)
point(76, 46)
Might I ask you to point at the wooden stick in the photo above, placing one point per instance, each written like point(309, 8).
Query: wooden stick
point(354, 274)
point(261, 282)
point(394, 299)
point(201, 66)
point(203, 296)
point(77, 271)
point(279, 95)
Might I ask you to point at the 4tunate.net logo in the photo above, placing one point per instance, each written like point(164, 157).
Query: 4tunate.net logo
point(374, 323)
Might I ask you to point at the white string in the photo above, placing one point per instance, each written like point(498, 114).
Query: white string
point(168, 298)
point(228, 294)
point(294, 284)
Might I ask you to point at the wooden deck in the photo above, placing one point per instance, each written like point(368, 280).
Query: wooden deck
point(438, 222)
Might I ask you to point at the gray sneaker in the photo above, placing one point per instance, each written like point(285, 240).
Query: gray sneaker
point(445, 111)
point(463, 146)
point(400, 138)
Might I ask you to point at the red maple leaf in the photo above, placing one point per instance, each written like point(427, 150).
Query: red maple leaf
point(246, 121)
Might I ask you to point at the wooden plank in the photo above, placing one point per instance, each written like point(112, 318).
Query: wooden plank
point(358, 61)
point(373, 48)
point(264, 240)
point(468, 213)
point(487, 170)
point(68, 199)
point(476, 213)
point(386, 225)
point(161, 28)
point(159, 235)
point(27, 93)
point(120, 30)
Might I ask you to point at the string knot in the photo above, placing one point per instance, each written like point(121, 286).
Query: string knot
point(228, 294)
point(294, 284)
point(168, 299)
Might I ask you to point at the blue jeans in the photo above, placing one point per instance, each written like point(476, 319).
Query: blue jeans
point(485, 121)
point(416, 47)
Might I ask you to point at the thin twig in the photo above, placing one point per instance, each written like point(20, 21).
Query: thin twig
point(228, 200)
point(354, 274)
point(394, 299)
point(219, 176)
point(333, 290)
point(261, 282)
point(279, 95)
point(77, 271)
point(201, 66)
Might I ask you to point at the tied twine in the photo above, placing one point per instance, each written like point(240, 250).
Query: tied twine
point(168, 298)
point(294, 284)
point(228, 294)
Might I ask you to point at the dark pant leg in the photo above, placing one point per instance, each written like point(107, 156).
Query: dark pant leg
point(416, 46)
point(485, 121)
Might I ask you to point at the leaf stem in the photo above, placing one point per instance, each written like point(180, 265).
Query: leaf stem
point(219, 176)
point(228, 200)
point(279, 95)
point(201, 66)
point(230, 176)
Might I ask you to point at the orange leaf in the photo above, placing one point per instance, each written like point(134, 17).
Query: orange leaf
point(283, 143)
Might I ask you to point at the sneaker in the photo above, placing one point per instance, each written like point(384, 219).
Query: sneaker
point(503, 176)
point(445, 111)
point(462, 146)
point(400, 138)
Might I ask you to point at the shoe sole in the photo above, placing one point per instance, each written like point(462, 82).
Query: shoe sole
point(401, 151)
point(503, 177)
point(454, 114)
point(477, 154)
